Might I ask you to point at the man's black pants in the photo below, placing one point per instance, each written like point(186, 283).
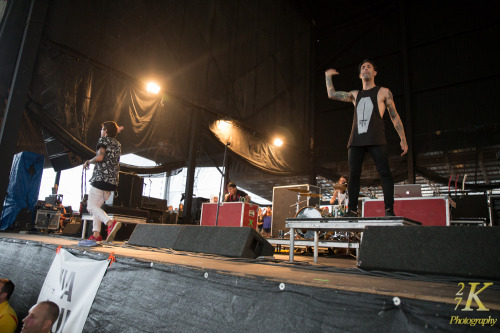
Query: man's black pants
point(380, 157)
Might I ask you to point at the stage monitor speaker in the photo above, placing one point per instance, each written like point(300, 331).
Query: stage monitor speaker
point(155, 235)
point(238, 242)
point(129, 192)
point(457, 251)
point(285, 204)
point(60, 157)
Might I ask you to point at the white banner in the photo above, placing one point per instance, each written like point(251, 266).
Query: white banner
point(72, 283)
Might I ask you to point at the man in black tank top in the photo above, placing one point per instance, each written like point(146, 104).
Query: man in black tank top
point(368, 132)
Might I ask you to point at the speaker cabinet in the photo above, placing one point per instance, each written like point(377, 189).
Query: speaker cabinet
point(73, 229)
point(170, 218)
point(237, 242)
point(47, 219)
point(457, 250)
point(155, 216)
point(494, 210)
point(23, 221)
point(196, 208)
point(60, 157)
point(129, 192)
point(285, 204)
point(154, 203)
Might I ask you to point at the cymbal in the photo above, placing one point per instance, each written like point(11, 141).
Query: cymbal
point(295, 189)
point(341, 187)
point(313, 195)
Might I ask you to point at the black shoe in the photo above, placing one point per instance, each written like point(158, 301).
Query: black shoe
point(351, 214)
point(389, 212)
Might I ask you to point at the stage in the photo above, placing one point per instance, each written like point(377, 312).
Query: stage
point(161, 290)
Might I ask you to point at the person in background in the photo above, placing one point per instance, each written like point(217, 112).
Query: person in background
point(260, 220)
point(235, 194)
point(340, 195)
point(41, 317)
point(63, 220)
point(8, 317)
point(268, 215)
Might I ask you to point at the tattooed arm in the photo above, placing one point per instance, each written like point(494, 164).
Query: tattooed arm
point(337, 95)
point(97, 158)
point(396, 120)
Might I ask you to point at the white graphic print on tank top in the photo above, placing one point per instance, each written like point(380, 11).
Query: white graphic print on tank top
point(364, 113)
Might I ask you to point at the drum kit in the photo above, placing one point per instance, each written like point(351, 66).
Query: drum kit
point(308, 211)
point(304, 193)
point(314, 212)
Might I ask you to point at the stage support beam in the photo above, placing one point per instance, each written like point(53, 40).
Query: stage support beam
point(191, 165)
point(407, 94)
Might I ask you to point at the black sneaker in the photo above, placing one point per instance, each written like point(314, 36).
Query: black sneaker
point(351, 214)
point(389, 212)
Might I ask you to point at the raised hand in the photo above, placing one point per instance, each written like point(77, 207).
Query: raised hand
point(331, 72)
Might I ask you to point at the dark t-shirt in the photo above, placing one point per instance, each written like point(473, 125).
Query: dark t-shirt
point(239, 194)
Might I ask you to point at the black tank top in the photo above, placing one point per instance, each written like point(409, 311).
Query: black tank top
point(367, 125)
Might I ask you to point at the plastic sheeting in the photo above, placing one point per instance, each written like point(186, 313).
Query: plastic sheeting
point(259, 152)
point(24, 186)
point(215, 58)
point(80, 149)
point(142, 296)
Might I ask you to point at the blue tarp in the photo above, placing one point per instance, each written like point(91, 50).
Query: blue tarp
point(24, 186)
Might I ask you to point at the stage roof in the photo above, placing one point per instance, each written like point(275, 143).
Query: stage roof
point(259, 67)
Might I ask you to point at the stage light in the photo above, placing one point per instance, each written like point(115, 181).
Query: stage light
point(223, 125)
point(153, 88)
point(278, 142)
